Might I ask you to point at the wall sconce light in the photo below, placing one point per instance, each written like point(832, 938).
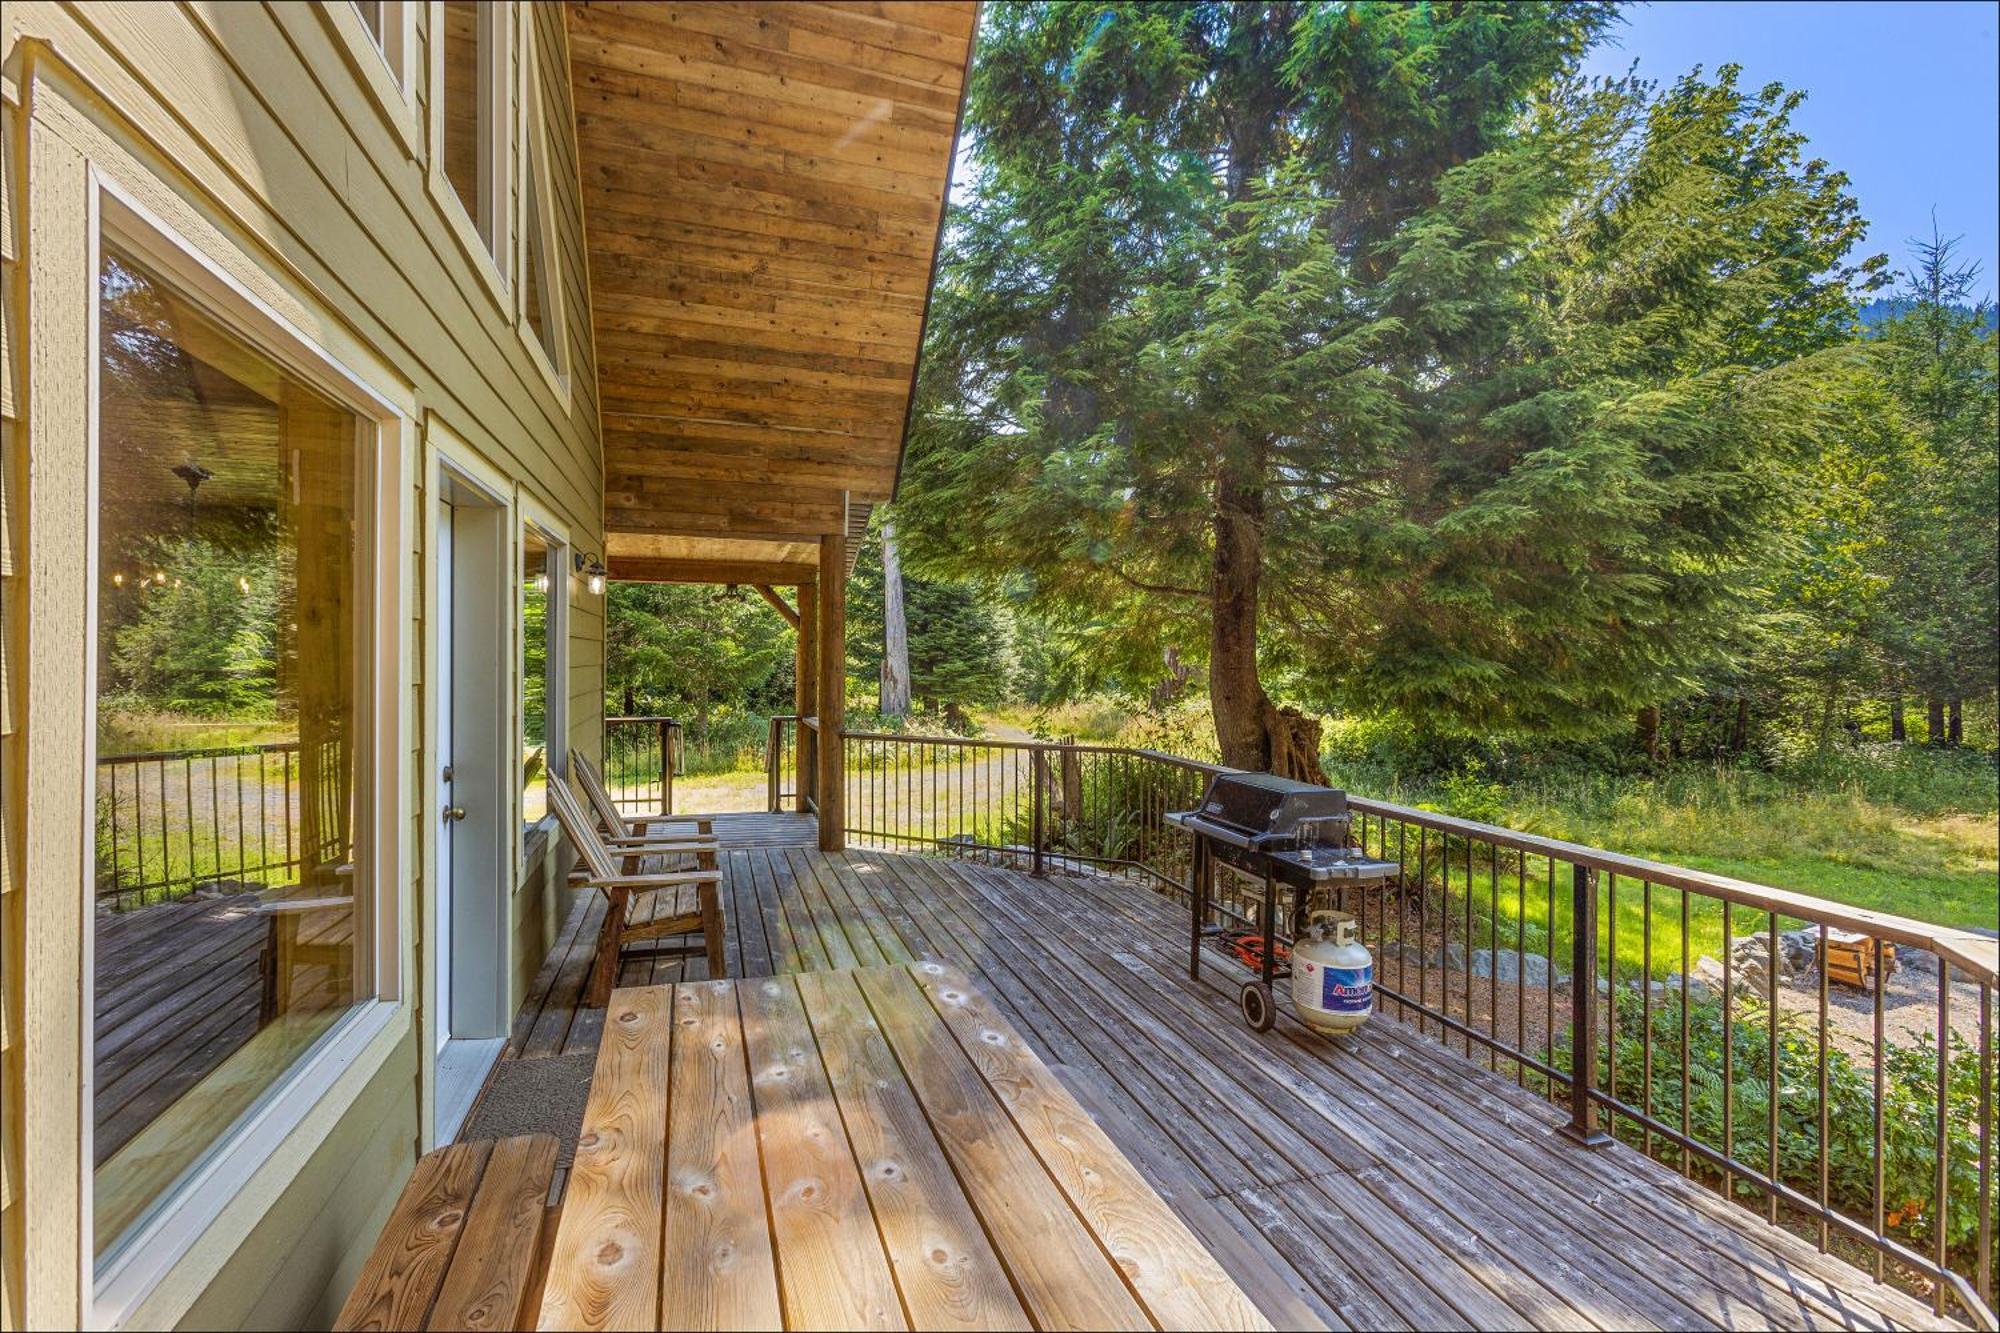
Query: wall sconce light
point(593, 572)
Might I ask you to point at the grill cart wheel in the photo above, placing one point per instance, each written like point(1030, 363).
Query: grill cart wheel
point(1258, 1010)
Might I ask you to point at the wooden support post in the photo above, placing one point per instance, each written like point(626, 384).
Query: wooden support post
point(805, 691)
point(830, 787)
point(770, 594)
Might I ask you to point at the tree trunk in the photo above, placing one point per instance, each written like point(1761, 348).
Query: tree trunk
point(1649, 732)
point(1739, 735)
point(1898, 732)
point(895, 631)
point(1934, 721)
point(1955, 724)
point(1251, 731)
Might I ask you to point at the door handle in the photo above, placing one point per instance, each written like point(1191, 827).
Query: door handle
point(452, 812)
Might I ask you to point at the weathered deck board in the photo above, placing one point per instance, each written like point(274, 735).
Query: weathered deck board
point(1454, 1201)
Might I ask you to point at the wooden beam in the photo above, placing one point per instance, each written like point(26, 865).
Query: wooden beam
point(640, 569)
point(831, 783)
point(770, 595)
point(805, 689)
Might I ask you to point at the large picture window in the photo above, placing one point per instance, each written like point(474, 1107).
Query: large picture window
point(469, 88)
point(232, 896)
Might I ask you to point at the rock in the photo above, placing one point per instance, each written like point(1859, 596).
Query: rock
point(1697, 989)
point(1708, 973)
point(1750, 961)
point(1506, 966)
point(1454, 957)
point(1799, 949)
point(1408, 955)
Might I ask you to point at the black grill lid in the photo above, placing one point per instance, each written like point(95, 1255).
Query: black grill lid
point(1264, 803)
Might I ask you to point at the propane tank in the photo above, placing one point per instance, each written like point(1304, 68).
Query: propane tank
point(1333, 974)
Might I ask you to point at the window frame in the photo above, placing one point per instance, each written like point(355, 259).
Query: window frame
point(552, 361)
point(531, 515)
point(497, 148)
point(387, 69)
point(117, 1282)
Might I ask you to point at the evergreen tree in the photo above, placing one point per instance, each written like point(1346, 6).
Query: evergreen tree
point(1940, 507)
point(958, 641)
point(1167, 323)
point(692, 649)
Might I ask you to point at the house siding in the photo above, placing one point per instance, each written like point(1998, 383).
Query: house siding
point(257, 117)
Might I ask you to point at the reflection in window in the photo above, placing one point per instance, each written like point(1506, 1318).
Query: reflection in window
point(467, 99)
point(539, 578)
point(538, 307)
point(229, 672)
point(540, 270)
point(373, 18)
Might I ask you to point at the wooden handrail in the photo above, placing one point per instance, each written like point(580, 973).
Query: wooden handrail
point(1976, 955)
point(1961, 948)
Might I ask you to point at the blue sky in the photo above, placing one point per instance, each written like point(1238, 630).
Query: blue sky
point(1903, 97)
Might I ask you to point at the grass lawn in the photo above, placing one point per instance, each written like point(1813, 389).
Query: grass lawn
point(1940, 868)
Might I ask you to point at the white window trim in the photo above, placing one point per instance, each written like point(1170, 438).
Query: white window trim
point(132, 1270)
point(388, 70)
point(492, 265)
point(555, 705)
point(553, 362)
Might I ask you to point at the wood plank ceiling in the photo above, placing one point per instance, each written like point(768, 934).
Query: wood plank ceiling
point(762, 190)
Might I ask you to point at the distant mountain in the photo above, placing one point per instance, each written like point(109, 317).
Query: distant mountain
point(1888, 307)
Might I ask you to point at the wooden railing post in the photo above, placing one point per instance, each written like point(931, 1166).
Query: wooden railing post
point(1039, 819)
point(773, 756)
point(666, 766)
point(1582, 1124)
point(805, 693)
point(830, 782)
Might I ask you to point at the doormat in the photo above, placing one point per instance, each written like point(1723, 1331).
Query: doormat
point(541, 1096)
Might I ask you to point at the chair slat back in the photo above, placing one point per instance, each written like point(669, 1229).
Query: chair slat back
point(577, 828)
point(600, 795)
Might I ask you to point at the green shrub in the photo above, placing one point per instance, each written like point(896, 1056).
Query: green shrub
point(1909, 1114)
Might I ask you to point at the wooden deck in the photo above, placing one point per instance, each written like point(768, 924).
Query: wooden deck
point(1385, 1181)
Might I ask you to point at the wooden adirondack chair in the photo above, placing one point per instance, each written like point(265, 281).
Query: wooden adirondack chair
point(642, 906)
point(619, 826)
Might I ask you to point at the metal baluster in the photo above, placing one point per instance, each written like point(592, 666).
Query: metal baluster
point(1941, 1225)
point(1771, 1058)
point(1492, 956)
point(1646, 1012)
point(1465, 1034)
point(1728, 1050)
point(1521, 966)
point(1985, 1246)
point(1687, 1131)
point(1825, 1174)
point(1423, 926)
point(1611, 990)
point(1880, 1224)
point(1549, 955)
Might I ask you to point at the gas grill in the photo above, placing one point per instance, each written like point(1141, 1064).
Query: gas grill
point(1283, 833)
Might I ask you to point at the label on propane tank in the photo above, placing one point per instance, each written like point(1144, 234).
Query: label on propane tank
point(1347, 990)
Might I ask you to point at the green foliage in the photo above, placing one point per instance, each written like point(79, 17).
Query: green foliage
point(204, 642)
point(1507, 373)
point(710, 657)
point(958, 639)
point(1909, 1110)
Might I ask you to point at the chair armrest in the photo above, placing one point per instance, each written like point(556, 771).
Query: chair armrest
point(666, 881)
point(288, 906)
point(664, 840)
